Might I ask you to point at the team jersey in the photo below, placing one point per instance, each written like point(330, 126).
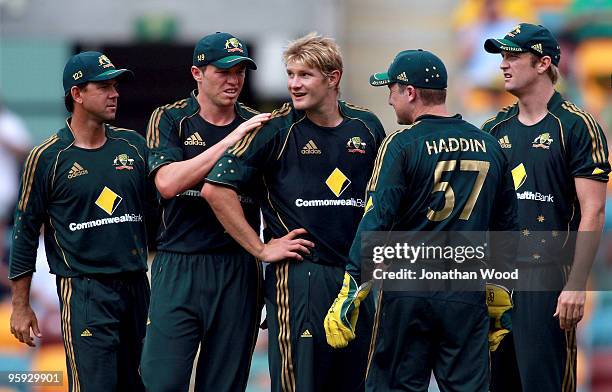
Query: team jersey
point(91, 202)
point(545, 158)
point(177, 132)
point(439, 174)
point(314, 177)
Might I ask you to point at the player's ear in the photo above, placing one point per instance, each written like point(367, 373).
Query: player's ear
point(410, 92)
point(333, 78)
point(75, 92)
point(543, 64)
point(197, 73)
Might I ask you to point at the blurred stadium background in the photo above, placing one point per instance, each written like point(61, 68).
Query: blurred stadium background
point(155, 39)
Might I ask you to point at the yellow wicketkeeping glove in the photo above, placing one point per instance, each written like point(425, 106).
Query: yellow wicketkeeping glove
point(342, 315)
point(499, 304)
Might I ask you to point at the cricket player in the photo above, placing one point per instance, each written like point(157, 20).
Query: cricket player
point(315, 156)
point(87, 185)
point(559, 159)
point(439, 174)
point(206, 289)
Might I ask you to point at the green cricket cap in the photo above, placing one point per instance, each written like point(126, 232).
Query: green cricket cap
point(418, 68)
point(222, 50)
point(91, 67)
point(527, 37)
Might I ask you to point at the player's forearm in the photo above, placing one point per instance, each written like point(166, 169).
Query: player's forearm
point(226, 206)
point(177, 177)
point(21, 291)
point(587, 242)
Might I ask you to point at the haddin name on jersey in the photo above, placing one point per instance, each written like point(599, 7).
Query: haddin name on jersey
point(452, 144)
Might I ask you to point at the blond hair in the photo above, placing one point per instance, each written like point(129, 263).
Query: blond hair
point(315, 51)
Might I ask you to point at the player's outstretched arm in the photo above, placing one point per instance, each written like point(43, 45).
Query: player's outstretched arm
point(592, 198)
point(176, 177)
point(23, 319)
point(226, 206)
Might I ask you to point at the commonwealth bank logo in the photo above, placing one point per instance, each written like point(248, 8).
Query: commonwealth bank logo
point(76, 170)
point(311, 149)
point(108, 200)
point(195, 140)
point(597, 171)
point(504, 142)
point(519, 175)
point(337, 182)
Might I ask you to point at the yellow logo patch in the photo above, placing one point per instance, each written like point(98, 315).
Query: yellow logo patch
point(337, 182)
point(519, 175)
point(369, 205)
point(597, 171)
point(108, 200)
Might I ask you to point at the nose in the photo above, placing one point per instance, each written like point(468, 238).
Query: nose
point(293, 82)
point(232, 78)
point(114, 92)
point(504, 63)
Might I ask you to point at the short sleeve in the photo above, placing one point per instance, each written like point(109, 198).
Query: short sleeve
point(162, 140)
point(246, 159)
point(588, 149)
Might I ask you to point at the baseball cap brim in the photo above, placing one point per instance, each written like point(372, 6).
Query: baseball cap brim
point(230, 61)
point(494, 45)
point(380, 79)
point(113, 74)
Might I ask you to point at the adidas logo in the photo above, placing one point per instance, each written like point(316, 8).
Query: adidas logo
point(402, 77)
point(86, 332)
point(504, 142)
point(306, 334)
point(537, 48)
point(76, 170)
point(310, 149)
point(195, 140)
